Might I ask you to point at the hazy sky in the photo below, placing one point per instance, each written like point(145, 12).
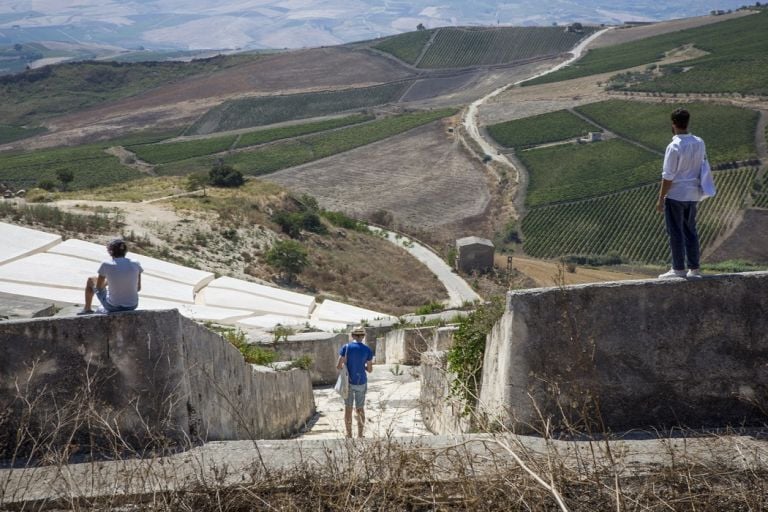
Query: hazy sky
point(198, 24)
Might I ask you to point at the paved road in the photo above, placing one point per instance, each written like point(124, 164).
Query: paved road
point(458, 289)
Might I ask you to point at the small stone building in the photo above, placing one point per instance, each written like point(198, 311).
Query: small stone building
point(474, 254)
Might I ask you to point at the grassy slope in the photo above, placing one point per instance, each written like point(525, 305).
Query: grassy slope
point(406, 47)
point(37, 94)
point(737, 62)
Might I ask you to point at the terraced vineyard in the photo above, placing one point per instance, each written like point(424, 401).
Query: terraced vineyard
point(250, 112)
point(760, 193)
point(736, 62)
point(263, 160)
point(90, 164)
point(541, 129)
point(728, 131)
point(627, 224)
point(569, 172)
point(464, 47)
point(176, 151)
point(406, 47)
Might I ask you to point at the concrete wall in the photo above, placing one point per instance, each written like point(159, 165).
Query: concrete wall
point(322, 347)
point(441, 412)
point(633, 354)
point(150, 374)
point(405, 346)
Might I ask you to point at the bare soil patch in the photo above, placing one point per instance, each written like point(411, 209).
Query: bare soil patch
point(422, 177)
point(625, 35)
point(550, 273)
point(749, 241)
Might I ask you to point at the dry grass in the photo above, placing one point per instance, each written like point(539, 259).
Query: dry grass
point(370, 271)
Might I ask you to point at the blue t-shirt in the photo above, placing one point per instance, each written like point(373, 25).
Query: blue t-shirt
point(357, 355)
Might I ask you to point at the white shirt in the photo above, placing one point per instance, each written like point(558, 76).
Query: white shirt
point(122, 281)
point(683, 160)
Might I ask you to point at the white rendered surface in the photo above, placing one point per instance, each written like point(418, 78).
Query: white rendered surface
point(271, 321)
point(271, 292)
point(57, 271)
point(152, 266)
point(18, 242)
point(257, 305)
point(332, 311)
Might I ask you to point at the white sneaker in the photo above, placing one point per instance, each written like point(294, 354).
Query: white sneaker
point(672, 273)
point(694, 272)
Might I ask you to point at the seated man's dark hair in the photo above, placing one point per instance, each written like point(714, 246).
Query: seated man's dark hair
point(117, 248)
point(680, 118)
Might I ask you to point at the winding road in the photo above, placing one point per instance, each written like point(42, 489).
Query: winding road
point(470, 118)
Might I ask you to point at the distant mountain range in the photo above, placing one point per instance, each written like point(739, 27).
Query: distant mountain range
point(277, 24)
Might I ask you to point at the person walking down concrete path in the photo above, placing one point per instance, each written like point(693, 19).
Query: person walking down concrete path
point(684, 172)
point(358, 358)
point(118, 283)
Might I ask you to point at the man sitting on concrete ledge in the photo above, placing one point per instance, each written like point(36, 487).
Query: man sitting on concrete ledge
point(118, 284)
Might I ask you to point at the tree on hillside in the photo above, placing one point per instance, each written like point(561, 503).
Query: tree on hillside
point(225, 176)
point(65, 176)
point(197, 181)
point(289, 257)
point(421, 26)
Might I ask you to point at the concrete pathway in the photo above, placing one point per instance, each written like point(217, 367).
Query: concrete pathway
point(458, 289)
point(391, 406)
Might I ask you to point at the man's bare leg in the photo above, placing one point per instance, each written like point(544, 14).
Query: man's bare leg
point(89, 285)
point(348, 419)
point(360, 422)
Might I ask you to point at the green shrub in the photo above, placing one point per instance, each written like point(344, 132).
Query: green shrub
point(225, 176)
point(344, 221)
point(304, 362)
point(429, 308)
point(289, 257)
point(465, 358)
point(252, 353)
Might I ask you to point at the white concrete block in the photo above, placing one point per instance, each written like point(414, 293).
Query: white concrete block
point(258, 305)
point(64, 295)
point(152, 266)
point(17, 242)
point(57, 271)
point(333, 311)
point(271, 321)
point(264, 291)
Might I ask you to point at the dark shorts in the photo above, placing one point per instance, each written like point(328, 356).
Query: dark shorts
point(101, 294)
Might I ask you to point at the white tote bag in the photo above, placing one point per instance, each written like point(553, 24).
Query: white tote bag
point(342, 383)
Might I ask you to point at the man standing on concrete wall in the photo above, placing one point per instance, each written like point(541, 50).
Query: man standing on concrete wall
point(118, 282)
point(359, 360)
point(684, 161)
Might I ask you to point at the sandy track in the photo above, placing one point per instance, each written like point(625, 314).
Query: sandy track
point(422, 177)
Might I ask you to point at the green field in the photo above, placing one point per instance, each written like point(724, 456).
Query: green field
point(627, 223)
point(736, 60)
point(729, 132)
point(167, 152)
point(532, 131)
point(91, 166)
point(578, 171)
point(281, 155)
point(36, 94)
point(250, 112)
point(12, 133)
point(463, 47)
point(406, 47)
point(173, 151)
point(295, 130)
